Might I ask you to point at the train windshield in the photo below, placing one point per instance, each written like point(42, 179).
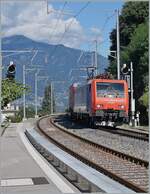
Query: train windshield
point(110, 90)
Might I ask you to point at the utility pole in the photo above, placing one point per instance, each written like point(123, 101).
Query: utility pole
point(0, 70)
point(36, 74)
point(36, 90)
point(24, 95)
point(132, 102)
point(36, 94)
point(51, 98)
point(96, 66)
point(118, 46)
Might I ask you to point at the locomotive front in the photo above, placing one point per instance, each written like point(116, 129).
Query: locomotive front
point(110, 101)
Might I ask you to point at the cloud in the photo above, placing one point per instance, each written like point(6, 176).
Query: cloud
point(95, 30)
point(96, 34)
point(31, 19)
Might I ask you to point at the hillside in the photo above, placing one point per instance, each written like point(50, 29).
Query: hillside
point(60, 63)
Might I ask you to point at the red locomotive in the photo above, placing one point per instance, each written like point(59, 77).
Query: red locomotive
point(101, 101)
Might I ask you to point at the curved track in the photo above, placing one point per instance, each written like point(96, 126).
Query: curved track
point(128, 133)
point(135, 147)
point(132, 133)
point(125, 169)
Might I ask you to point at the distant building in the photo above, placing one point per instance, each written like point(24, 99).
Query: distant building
point(10, 110)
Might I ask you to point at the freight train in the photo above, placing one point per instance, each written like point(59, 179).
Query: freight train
point(100, 102)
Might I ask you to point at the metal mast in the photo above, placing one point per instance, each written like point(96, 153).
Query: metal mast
point(24, 94)
point(36, 94)
point(51, 98)
point(0, 69)
point(118, 46)
point(96, 67)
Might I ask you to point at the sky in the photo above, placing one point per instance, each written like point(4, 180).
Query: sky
point(78, 27)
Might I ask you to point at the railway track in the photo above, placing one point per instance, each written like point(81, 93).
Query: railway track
point(132, 133)
point(128, 133)
point(136, 147)
point(129, 171)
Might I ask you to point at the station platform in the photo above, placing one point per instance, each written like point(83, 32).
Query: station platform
point(23, 170)
point(104, 183)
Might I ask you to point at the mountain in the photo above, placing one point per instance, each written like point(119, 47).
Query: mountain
point(59, 62)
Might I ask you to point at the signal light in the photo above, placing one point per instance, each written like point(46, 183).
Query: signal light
point(125, 69)
point(11, 70)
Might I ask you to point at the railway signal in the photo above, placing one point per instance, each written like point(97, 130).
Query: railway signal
point(11, 70)
point(124, 69)
point(127, 74)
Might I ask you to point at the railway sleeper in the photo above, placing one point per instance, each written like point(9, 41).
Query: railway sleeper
point(134, 174)
point(127, 172)
point(110, 151)
point(115, 177)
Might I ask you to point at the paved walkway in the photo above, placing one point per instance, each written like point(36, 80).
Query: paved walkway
point(19, 172)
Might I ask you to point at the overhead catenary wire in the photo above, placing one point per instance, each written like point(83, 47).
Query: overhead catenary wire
point(81, 54)
point(75, 16)
point(107, 20)
point(59, 18)
point(104, 25)
point(103, 28)
point(34, 55)
point(67, 28)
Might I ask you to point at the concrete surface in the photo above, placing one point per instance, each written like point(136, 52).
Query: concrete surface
point(105, 183)
point(18, 167)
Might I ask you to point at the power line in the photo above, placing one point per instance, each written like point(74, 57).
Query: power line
point(75, 16)
point(59, 18)
point(67, 28)
point(105, 22)
point(86, 5)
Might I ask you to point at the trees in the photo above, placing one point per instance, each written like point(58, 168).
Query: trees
point(133, 45)
point(132, 14)
point(11, 90)
point(48, 96)
point(137, 52)
point(30, 113)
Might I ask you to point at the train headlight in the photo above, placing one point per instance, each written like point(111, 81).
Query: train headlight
point(121, 106)
point(99, 105)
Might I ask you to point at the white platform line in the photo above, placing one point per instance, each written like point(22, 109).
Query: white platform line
point(62, 186)
point(16, 182)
